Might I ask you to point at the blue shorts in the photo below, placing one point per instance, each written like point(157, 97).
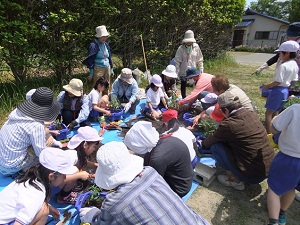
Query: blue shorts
point(284, 174)
point(149, 111)
point(276, 98)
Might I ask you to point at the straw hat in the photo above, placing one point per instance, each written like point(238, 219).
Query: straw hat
point(41, 106)
point(189, 37)
point(101, 32)
point(75, 87)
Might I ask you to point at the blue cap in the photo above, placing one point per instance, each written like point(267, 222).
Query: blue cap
point(293, 30)
point(192, 72)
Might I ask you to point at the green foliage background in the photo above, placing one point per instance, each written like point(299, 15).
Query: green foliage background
point(54, 35)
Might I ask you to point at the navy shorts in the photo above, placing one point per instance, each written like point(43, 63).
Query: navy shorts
point(276, 98)
point(284, 174)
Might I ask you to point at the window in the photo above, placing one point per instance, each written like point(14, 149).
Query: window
point(268, 35)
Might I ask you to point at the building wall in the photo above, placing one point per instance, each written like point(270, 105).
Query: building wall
point(263, 24)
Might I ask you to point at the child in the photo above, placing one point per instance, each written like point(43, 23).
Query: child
point(153, 97)
point(171, 122)
point(286, 72)
point(85, 143)
point(95, 97)
point(284, 174)
point(24, 201)
point(74, 104)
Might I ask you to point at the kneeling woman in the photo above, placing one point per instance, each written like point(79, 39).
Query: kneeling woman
point(24, 201)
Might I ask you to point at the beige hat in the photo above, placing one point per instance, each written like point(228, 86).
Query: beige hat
point(227, 98)
point(75, 87)
point(101, 32)
point(116, 165)
point(126, 75)
point(189, 37)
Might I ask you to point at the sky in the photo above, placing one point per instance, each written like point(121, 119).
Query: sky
point(248, 2)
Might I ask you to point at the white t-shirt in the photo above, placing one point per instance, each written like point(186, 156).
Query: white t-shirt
point(188, 138)
point(288, 121)
point(154, 97)
point(95, 96)
point(286, 72)
point(19, 202)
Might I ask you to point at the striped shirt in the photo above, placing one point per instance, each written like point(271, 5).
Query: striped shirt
point(17, 134)
point(147, 199)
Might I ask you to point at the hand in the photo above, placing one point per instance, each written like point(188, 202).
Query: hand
point(90, 78)
point(127, 107)
point(87, 214)
point(107, 113)
point(265, 87)
point(112, 72)
point(54, 212)
point(264, 66)
point(155, 114)
point(195, 122)
point(72, 125)
point(84, 175)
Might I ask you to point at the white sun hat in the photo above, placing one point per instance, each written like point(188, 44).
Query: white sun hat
point(189, 37)
point(116, 165)
point(170, 71)
point(101, 32)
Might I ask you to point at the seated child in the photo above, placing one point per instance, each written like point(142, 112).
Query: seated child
point(85, 143)
point(153, 97)
point(24, 201)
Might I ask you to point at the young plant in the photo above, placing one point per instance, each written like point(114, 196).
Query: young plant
point(290, 101)
point(94, 199)
point(172, 103)
point(207, 126)
point(114, 104)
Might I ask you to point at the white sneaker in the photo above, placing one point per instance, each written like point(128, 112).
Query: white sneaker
point(223, 179)
point(297, 197)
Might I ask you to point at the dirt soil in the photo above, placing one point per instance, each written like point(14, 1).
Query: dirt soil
point(224, 205)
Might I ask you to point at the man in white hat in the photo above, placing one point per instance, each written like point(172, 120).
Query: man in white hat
point(188, 55)
point(141, 195)
point(125, 89)
point(22, 137)
point(74, 104)
point(99, 59)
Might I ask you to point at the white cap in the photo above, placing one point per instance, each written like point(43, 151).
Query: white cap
point(84, 134)
point(156, 80)
point(288, 46)
point(59, 160)
point(210, 98)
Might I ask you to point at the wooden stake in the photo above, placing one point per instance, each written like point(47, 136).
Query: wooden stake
point(144, 57)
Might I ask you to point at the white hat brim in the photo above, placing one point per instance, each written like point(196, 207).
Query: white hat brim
point(126, 175)
point(189, 40)
point(172, 75)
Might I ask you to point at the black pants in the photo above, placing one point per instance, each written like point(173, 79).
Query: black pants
point(183, 88)
point(68, 116)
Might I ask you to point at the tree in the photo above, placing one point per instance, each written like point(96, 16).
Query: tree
point(17, 35)
point(294, 15)
point(275, 8)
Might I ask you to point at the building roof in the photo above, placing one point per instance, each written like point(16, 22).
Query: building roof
point(253, 12)
point(245, 23)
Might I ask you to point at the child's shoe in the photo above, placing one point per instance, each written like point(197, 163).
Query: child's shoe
point(282, 219)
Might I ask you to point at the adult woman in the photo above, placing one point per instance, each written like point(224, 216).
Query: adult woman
point(188, 55)
point(96, 97)
point(99, 59)
point(24, 201)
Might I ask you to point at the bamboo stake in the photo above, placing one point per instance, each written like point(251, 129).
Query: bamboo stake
point(144, 57)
